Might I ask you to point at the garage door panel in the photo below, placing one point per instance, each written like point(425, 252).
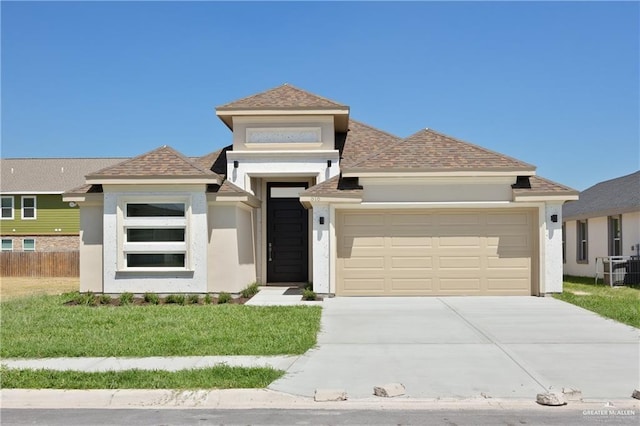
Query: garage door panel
point(463, 241)
point(412, 286)
point(458, 285)
point(459, 262)
point(435, 252)
point(421, 262)
point(373, 262)
point(368, 286)
point(502, 219)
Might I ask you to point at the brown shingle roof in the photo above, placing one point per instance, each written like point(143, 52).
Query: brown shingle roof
point(337, 186)
point(428, 150)
point(227, 188)
point(360, 141)
point(282, 97)
point(541, 186)
point(163, 162)
point(85, 189)
point(215, 161)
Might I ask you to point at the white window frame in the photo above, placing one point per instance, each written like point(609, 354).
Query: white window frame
point(9, 197)
point(35, 207)
point(153, 247)
point(7, 239)
point(28, 239)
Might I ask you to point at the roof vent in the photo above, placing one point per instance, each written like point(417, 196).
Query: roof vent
point(522, 182)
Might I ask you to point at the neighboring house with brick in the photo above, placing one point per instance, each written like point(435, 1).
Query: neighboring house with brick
point(304, 193)
point(604, 222)
point(34, 216)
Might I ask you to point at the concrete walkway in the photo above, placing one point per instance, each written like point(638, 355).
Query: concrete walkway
point(275, 296)
point(96, 364)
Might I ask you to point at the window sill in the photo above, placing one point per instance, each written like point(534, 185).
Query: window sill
point(582, 262)
point(138, 272)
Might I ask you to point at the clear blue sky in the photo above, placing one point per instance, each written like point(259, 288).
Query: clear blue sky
point(553, 84)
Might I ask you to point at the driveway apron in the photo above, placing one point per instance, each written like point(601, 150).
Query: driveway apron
point(466, 347)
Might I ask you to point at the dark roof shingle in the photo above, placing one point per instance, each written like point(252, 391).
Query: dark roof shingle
point(615, 196)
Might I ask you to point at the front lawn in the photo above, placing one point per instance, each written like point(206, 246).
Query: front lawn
point(43, 327)
point(222, 377)
point(619, 303)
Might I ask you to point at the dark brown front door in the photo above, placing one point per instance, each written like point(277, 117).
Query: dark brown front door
point(287, 233)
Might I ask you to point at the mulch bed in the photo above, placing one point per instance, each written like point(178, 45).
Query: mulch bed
point(83, 300)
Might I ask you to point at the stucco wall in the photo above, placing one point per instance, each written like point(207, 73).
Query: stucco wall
point(191, 280)
point(231, 246)
point(553, 249)
point(598, 242)
point(91, 226)
point(391, 190)
point(324, 124)
point(321, 249)
point(630, 233)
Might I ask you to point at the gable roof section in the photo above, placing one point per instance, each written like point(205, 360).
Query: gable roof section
point(431, 151)
point(161, 163)
point(615, 196)
point(360, 141)
point(47, 175)
point(282, 97)
point(215, 161)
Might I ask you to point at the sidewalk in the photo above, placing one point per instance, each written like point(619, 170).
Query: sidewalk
point(95, 364)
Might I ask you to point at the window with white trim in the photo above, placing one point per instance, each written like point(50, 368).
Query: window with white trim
point(28, 207)
point(154, 235)
point(7, 207)
point(7, 245)
point(29, 244)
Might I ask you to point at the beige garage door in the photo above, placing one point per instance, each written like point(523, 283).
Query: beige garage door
point(483, 252)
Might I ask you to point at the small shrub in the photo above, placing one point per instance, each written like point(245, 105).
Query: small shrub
point(250, 291)
point(309, 295)
point(86, 299)
point(104, 299)
point(126, 298)
point(224, 297)
point(207, 299)
point(308, 286)
point(193, 299)
point(178, 299)
point(151, 298)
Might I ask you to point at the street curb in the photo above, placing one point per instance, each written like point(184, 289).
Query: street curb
point(263, 398)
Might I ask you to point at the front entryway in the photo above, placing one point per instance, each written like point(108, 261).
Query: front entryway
point(287, 233)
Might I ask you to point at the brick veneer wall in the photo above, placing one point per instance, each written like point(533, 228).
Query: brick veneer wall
point(47, 243)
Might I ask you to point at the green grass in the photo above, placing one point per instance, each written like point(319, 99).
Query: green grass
point(619, 303)
point(42, 327)
point(222, 377)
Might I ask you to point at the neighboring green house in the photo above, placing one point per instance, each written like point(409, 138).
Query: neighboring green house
point(34, 217)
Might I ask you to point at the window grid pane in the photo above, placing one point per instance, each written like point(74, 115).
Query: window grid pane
point(153, 235)
point(155, 210)
point(7, 245)
point(29, 245)
point(155, 260)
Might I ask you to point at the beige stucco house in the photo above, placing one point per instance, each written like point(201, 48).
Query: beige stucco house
point(306, 193)
point(604, 222)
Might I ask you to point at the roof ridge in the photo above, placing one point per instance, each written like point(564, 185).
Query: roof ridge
point(386, 148)
point(158, 149)
point(612, 179)
point(245, 98)
point(490, 151)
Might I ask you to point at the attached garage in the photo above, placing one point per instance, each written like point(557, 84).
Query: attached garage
point(436, 252)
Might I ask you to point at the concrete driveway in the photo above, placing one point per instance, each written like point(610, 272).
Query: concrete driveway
point(465, 347)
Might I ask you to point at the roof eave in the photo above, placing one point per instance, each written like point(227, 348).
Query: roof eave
point(397, 172)
point(341, 115)
point(142, 180)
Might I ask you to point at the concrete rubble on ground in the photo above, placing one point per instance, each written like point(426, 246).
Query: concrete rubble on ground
point(389, 390)
point(551, 398)
point(324, 395)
